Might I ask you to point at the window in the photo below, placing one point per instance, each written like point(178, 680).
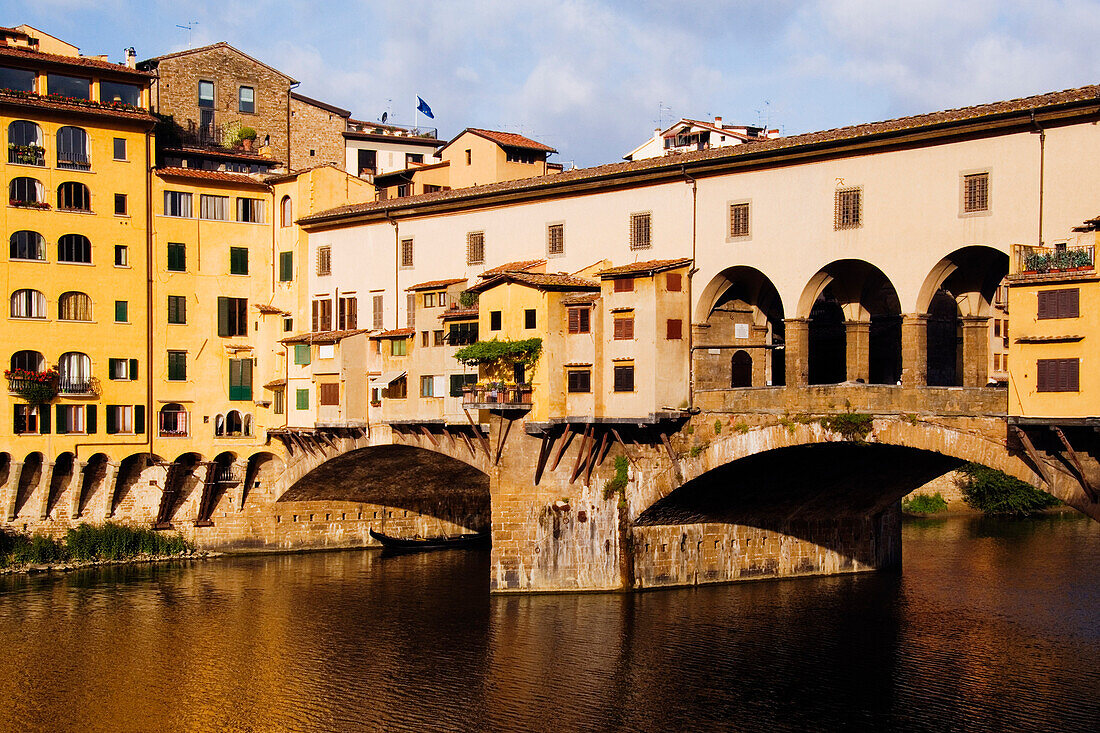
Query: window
point(122, 312)
point(240, 380)
point(326, 351)
point(674, 328)
point(424, 337)
point(21, 80)
point(640, 231)
point(286, 267)
point(348, 315)
point(322, 314)
point(26, 245)
point(250, 210)
point(398, 389)
point(25, 191)
point(286, 211)
point(324, 260)
point(26, 420)
point(580, 320)
point(120, 204)
point(739, 220)
point(437, 338)
point(429, 300)
point(579, 380)
point(206, 94)
point(28, 304)
point(70, 419)
point(462, 334)
point(475, 248)
point(120, 148)
point(122, 369)
point(72, 196)
point(246, 100)
point(125, 419)
point(177, 366)
point(173, 420)
point(279, 408)
point(177, 203)
point(72, 149)
point(458, 381)
point(376, 304)
point(74, 306)
point(848, 208)
point(74, 248)
point(301, 399)
point(238, 260)
point(399, 347)
point(975, 192)
point(494, 320)
point(1065, 303)
point(288, 325)
point(1058, 375)
point(177, 257)
point(529, 318)
point(25, 143)
point(177, 309)
point(555, 239)
point(406, 253)
point(122, 255)
point(328, 394)
point(624, 285)
point(76, 373)
point(302, 354)
point(427, 384)
point(624, 378)
point(213, 207)
point(232, 317)
point(469, 156)
point(30, 361)
point(624, 327)
point(673, 282)
point(111, 91)
point(441, 299)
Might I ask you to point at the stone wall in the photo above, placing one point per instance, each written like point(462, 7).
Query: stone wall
point(316, 135)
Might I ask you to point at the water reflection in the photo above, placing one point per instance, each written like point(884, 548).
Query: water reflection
point(991, 625)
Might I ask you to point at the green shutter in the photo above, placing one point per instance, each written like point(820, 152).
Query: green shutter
point(62, 422)
point(44, 419)
point(133, 368)
point(238, 261)
point(240, 379)
point(139, 419)
point(89, 419)
point(286, 266)
point(301, 354)
point(223, 316)
point(302, 399)
point(177, 257)
point(120, 311)
point(112, 420)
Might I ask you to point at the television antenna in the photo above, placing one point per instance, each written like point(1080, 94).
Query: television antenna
point(189, 27)
point(662, 108)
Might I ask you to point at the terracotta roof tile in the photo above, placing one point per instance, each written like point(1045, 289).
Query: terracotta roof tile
point(540, 280)
point(519, 266)
point(395, 333)
point(510, 139)
point(80, 107)
point(580, 299)
point(275, 383)
point(228, 154)
point(270, 309)
point(198, 174)
point(436, 284)
point(649, 267)
point(81, 61)
point(323, 337)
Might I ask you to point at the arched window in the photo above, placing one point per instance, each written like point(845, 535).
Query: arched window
point(741, 369)
point(219, 425)
point(28, 303)
point(25, 191)
point(27, 245)
point(233, 424)
point(248, 425)
point(76, 372)
point(25, 144)
point(72, 149)
point(288, 211)
point(74, 248)
point(73, 196)
point(74, 306)
point(31, 361)
point(173, 420)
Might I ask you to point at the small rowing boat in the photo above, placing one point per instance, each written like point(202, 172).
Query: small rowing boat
point(443, 542)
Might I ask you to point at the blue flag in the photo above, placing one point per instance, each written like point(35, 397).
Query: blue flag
point(423, 107)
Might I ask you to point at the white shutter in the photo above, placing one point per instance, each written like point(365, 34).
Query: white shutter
point(439, 386)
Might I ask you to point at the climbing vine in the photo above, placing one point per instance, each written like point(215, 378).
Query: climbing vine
point(850, 425)
point(617, 484)
point(501, 353)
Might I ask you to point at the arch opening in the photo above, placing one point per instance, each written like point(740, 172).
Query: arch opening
point(740, 312)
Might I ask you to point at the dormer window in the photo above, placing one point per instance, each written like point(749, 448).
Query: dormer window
point(69, 86)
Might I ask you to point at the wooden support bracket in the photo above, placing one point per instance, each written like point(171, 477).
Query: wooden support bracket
point(577, 466)
point(1077, 466)
point(626, 449)
point(428, 434)
point(595, 454)
point(477, 434)
point(502, 438)
point(544, 453)
point(1033, 454)
point(566, 438)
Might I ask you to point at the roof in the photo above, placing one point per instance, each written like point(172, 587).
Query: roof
point(392, 137)
point(727, 156)
point(404, 173)
point(686, 122)
point(322, 337)
point(519, 266)
point(435, 284)
point(540, 280)
point(270, 309)
point(225, 154)
point(275, 383)
point(395, 333)
point(452, 314)
point(504, 139)
point(38, 57)
point(638, 269)
point(291, 175)
point(220, 44)
point(322, 105)
point(115, 110)
point(198, 174)
point(580, 299)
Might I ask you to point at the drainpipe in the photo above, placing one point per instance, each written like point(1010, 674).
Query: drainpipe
point(691, 274)
point(396, 268)
point(1042, 160)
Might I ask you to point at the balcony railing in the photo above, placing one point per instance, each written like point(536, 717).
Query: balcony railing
point(78, 386)
point(74, 161)
point(201, 136)
point(174, 424)
point(391, 129)
point(1030, 259)
point(26, 154)
point(513, 396)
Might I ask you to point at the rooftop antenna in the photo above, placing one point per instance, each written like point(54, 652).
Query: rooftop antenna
point(661, 109)
point(189, 27)
point(765, 115)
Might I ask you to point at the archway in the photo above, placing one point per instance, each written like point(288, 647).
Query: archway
point(741, 369)
point(944, 341)
point(262, 472)
point(29, 479)
point(95, 471)
point(739, 310)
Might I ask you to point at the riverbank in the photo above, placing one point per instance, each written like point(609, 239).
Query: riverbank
point(90, 546)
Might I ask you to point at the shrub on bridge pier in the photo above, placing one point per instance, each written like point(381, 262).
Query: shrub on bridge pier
point(994, 492)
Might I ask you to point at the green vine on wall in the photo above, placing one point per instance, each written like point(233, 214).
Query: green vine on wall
point(501, 353)
point(853, 426)
point(617, 484)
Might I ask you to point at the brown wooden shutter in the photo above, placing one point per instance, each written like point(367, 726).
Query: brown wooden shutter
point(1070, 307)
point(673, 329)
point(585, 319)
point(624, 285)
point(574, 320)
point(352, 312)
point(330, 394)
point(316, 315)
point(673, 282)
point(628, 328)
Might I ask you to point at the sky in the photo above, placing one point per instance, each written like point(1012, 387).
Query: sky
point(593, 78)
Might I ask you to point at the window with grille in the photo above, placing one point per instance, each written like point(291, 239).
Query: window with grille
point(348, 316)
point(238, 261)
point(177, 257)
point(286, 267)
point(232, 317)
point(324, 260)
point(72, 149)
point(1065, 303)
point(580, 320)
point(555, 239)
point(329, 394)
point(406, 253)
point(177, 366)
point(24, 141)
point(215, 208)
point(976, 192)
point(74, 248)
point(640, 231)
point(250, 210)
point(624, 327)
point(1058, 375)
point(579, 380)
point(624, 378)
point(177, 203)
point(475, 248)
point(377, 311)
point(27, 245)
point(739, 220)
point(177, 309)
point(848, 208)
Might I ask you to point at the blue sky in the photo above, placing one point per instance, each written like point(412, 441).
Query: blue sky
point(593, 78)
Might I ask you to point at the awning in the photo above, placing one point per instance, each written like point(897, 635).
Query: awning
point(386, 379)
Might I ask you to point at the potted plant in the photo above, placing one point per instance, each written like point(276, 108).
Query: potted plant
point(35, 387)
point(246, 136)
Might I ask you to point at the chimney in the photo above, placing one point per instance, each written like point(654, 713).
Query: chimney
point(131, 58)
point(717, 121)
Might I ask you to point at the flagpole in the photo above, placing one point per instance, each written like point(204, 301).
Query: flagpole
point(416, 116)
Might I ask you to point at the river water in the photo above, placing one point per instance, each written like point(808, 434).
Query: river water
point(992, 625)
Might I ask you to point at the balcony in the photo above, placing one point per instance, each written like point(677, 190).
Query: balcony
point(497, 397)
point(26, 154)
point(391, 129)
point(1039, 262)
point(80, 386)
point(74, 161)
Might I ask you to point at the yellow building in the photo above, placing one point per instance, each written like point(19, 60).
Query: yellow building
point(79, 145)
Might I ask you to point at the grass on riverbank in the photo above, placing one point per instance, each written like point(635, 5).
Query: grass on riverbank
point(87, 542)
point(924, 504)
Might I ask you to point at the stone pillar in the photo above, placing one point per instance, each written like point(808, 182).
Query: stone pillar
point(198, 474)
point(914, 349)
point(240, 470)
point(761, 358)
point(797, 351)
point(858, 355)
point(975, 351)
point(11, 489)
point(110, 474)
point(76, 484)
point(44, 483)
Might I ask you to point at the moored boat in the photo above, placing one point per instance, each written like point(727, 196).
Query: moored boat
point(443, 542)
